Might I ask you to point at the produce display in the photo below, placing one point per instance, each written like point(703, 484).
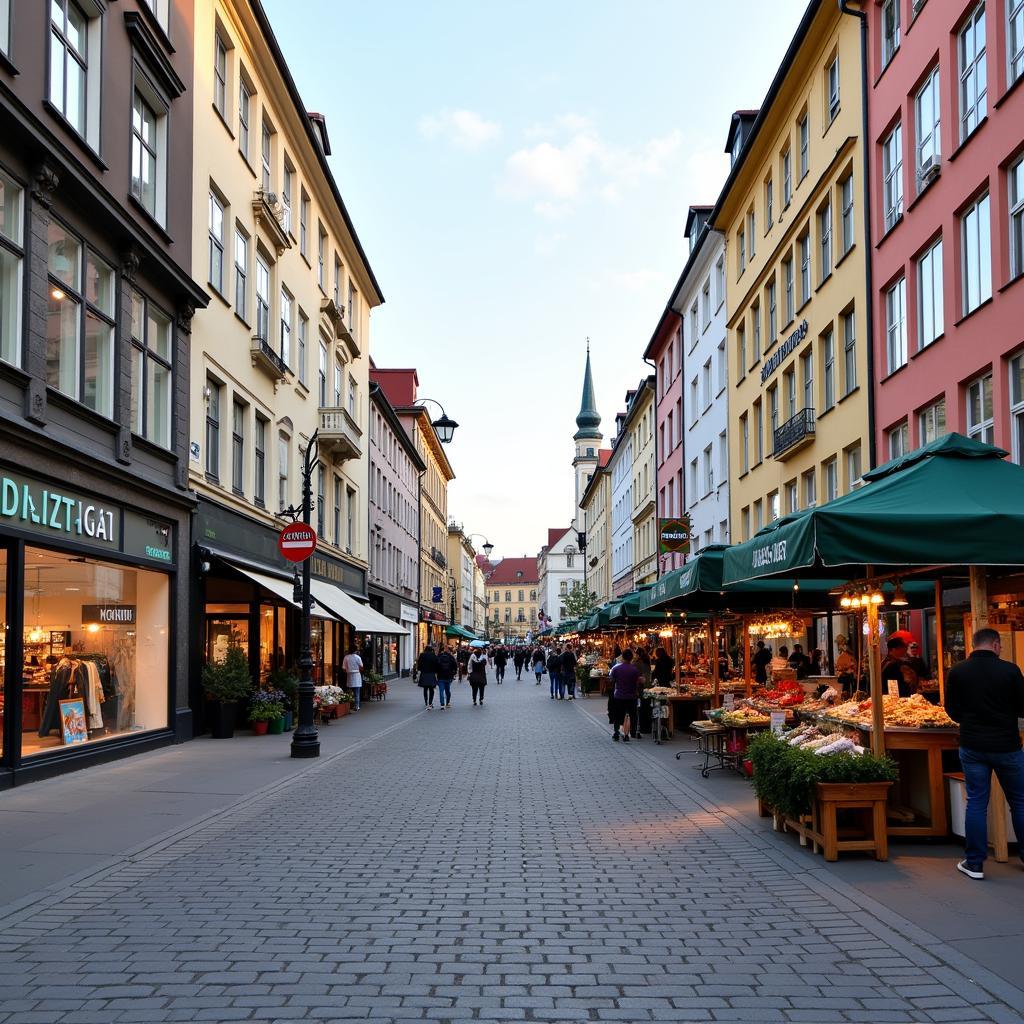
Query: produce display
point(743, 716)
point(898, 712)
point(810, 737)
point(707, 689)
point(599, 668)
point(659, 692)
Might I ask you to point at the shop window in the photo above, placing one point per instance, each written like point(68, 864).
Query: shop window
point(11, 256)
point(95, 651)
point(152, 374)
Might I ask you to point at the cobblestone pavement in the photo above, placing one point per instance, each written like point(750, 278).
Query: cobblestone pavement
point(500, 863)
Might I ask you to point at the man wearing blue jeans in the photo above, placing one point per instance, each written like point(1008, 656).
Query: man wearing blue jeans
point(555, 673)
point(986, 696)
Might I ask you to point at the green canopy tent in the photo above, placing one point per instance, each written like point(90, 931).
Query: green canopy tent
point(460, 633)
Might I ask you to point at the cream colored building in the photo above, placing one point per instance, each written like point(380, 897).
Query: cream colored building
point(640, 425)
point(461, 566)
point(513, 606)
point(479, 599)
point(792, 213)
point(282, 349)
point(595, 504)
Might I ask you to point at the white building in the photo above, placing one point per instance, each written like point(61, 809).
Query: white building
point(560, 564)
point(620, 465)
point(699, 299)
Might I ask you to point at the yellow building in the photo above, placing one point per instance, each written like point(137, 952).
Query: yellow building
point(461, 566)
point(512, 607)
point(595, 504)
point(282, 349)
point(792, 212)
point(479, 599)
point(640, 425)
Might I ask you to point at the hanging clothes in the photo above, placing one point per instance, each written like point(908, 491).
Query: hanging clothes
point(94, 694)
point(69, 679)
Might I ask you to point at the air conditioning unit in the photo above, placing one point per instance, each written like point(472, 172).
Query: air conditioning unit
point(930, 167)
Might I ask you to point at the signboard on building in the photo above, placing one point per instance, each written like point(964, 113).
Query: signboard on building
point(674, 535)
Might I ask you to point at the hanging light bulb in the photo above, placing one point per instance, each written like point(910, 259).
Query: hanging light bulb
point(855, 601)
point(899, 598)
point(844, 601)
point(877, 597)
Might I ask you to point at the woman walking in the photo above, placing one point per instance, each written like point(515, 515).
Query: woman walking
point(352, 665)
point(447, 666)
point(426, 666)
point(478, 675)
point(538, 664)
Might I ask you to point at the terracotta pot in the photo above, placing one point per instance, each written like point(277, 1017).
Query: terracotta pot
point(260, 728)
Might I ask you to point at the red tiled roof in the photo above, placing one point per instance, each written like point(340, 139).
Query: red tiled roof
point(555, 535)
point(505, 572)
point(604, 457)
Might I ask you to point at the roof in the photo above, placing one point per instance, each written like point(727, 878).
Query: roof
point(556, 534)
point(695, 212)
point(738, 119)
point(603, 457)
point(508, 569)
point(589, 419)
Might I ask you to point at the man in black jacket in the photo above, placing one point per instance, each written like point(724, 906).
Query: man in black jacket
point(986, 696)
point(569, 672)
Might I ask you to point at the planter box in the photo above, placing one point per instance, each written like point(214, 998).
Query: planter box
point(341, 710)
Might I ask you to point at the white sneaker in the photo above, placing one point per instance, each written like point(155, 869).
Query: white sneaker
point(970, 872)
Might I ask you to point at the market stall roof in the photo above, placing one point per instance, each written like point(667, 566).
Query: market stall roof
point(361, 617)
point(953, 502)
point(461, 632)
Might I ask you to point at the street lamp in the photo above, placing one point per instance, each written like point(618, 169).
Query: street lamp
point(444, 425)
point(487, 546)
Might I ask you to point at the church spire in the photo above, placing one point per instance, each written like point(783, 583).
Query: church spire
point(589, 420)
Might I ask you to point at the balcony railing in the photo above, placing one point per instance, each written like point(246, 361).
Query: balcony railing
point(340, 435)
point(438, 557)
point(265, 358)
point(794, 434)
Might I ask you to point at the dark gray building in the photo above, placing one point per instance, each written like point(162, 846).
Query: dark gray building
point(96, 301)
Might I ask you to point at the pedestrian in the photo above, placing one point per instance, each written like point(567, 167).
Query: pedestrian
point(985, 695)
point(538, 664)
point(815, 669)
point(447, 667)
point(569, 671)
point(664, 666)
point(500, 661)
point(626, 679)
point(761, 660)
point(426, 668)
point(518, 657)
point(799, 661)
point(555, 673)
point(478, 676)
point(352, 666)
point(462, 657)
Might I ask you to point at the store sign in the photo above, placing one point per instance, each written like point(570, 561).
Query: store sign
point(436, 595)
point(33, 506)
point(409, 614)
point(148, 538)
point(769, 554)
point(109, 614)
point(674, 535)
point(779, 355)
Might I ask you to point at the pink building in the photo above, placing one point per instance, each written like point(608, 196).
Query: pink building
point(946, 120)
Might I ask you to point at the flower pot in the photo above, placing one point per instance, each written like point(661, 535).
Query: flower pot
point(260, 728)
point(276, 726)
point(222, 719)
point(748, 767)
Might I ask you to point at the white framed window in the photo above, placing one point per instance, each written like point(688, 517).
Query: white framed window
point(832, 78)
point(149, 152)
point(720, 277)
point(846, 197)
point(339, 385)
point(1015, 39)
point(266, 157)
point(75, 65)
point(787, 174)
point(287, 187)
point(706, 299)
point(12, 255)
point(755, 319)
point(215, 271)
point(244, 114)
point(262, 299)
point(973, 75)
point(352, 310)
point(928, 120)
point(283, 467)
point(787, 284)
point(931, 421)
point(706, 383)
point(303, 345)
point(929, 295)
point(213, 428)
point(337, 281)
point(804, 131)
point(810, 481)
point(285, 342)
point(805, 266)
point(152, 371)
point(828, 357)
point(832, 479)
point(723, 458)
point(708, 472)
point(741, 352)
point(773, 332)
point(976, 252)
point(789, 383)
point(304, 224)
point(853, 468)
point(758, 515)
point(745, 522)
point(849, 352)
point(980, 423)
point(759, 432)
point(241, 272)
point(825, 236)
point(773, 411)
point(5, 26)
point(259, 465)
point(160, 11)
point(896, 325)
point(769, 203)
point(741, 245)
point(694, 334)
point(321, 258)
point(744, 443)
point(1017, 408)
point(792, 497)
point(238, 411)
point(321, 378)
point(892, 175)
point(1015, 183)
point(752, 231)
point(890, 29)
point(720, 368)
point(220, 76)
point(807, 372)
point(898, 440)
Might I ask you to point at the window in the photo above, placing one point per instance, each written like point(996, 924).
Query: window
point(825, 231)
point(352, 397)
point(241, 272)
point(70, 37)
point(304, 224)
point(1016, 408)
point(80, 322)
point(973, 74)
point(350, 518)
point(337, 282)
point(339, 376)
point(832, 76)
point(831, 480)
point(216, 227)
point(752, 230)
point(890, 29)
point(320, 499)
point(787, 284)
point(149, 161)
point(283, 460)
point(744, 443)
point(929, 295)
point(266, 163)
point(693, 483)
point(285, 348)
point(353, 310)
point(755, 317)
point(152, 374)
point(853, 469)
point(745, 522)
point(262, 299)
point(773, 332)
point(321, 257)
point(773, 412)
point(926, 115)
point(723, 458)
point(979, 410)
point(322, 378)
point(769, 215)
point(895, 325)
point(244, 113)
point(237, 447)
point(804, 129)
point(892, 174)
point(758, 515)
point(12, 218)
point(849, 352)
point(1016, 197)
point(792, 498)
point(303, 344)
point(1015, 39)
point(706, 297)
point(846, 196)
point(220, 76)
point(741, 351)
point(789, 382)
point(720, 279)
point(694, 334)
point(706, 383)
point(787, 177)
point(899, 440)
point(720, 372)
point(773, 506)
point(213, 429)
point(759, 428)
point(810, 489)
point(259, 481)
point(287, 186)
point(741, 242)
point(931, 421)
point(807, 372)
point(805, 267)
point(828, 356)
point(977, 255)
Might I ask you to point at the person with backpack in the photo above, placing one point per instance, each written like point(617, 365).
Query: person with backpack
point(555, 672)
point(569, 671)
point(538, 664)
point(447, 667)
point(478, 675)
point(500, 661)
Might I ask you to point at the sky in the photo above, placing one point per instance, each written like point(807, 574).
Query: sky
point(519, 176)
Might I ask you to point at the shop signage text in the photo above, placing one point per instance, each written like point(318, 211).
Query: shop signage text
point(772, 364)
point(37, 507)
point(297, 542)
point(769, 554)
point(109, 614)
point(674, 535)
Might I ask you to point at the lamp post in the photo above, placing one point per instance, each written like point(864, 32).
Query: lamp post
point(443, 426)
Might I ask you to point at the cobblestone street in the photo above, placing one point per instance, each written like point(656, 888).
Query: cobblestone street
point(503, 863)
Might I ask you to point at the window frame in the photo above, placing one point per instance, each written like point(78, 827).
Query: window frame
point(833, 97)
point(213, 406)
point(849, 351)
point(216, 241)
point(13, 245)
point(1015, 208)
point(928, 142)
point(930, 260)
point(1014, 41)
point(972, 113)
point(241, 271)
point(144, 351)
point(896, 325)
point(238, 414)
point(892, 176)
point(848, 229)
point(889, 32)
point(983, 429)
point(928, 423)
point(828, 358)
point(981, 207)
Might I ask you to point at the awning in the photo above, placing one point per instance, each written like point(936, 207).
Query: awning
point(361, 617)
point(461, 632)
point(279, 588)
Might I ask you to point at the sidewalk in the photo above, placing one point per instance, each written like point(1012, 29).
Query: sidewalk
point(54, 830)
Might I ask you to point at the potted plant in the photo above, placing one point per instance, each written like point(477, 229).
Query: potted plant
point(226, 683)
point(345, 702)
point(265, 712)
point(287, 681)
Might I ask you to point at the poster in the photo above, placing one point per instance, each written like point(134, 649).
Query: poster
point(72, 721)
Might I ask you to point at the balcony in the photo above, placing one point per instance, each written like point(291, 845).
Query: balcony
point(334, 315)
point(437, 556)
point(269, 215)
point(340, 436)
point(266, 359)
point(796, 433)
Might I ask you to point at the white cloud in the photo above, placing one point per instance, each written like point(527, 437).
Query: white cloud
point(464, 129)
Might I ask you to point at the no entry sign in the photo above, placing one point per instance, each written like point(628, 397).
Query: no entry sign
point(297, 542)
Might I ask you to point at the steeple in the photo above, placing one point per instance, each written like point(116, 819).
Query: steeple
point(589, 420)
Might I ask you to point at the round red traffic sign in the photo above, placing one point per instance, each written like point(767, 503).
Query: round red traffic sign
point(297, 542)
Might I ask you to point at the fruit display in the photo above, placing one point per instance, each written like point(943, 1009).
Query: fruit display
point(743, 716)
point(810, 737)
point(898, 712)
point(659, 692)
point(787, 694)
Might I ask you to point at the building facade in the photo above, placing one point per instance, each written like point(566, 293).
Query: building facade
point(280, 355)
point(792, 213)
point(479, 598)
point(513, 607)
point(640, 427)
point(587, 438)
point(560, 567)
point(620, 469)
point(394, 524)
point(947, 165)
point(461, 563)
point(700, 301)
point(96, 305)
point(596, 508)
